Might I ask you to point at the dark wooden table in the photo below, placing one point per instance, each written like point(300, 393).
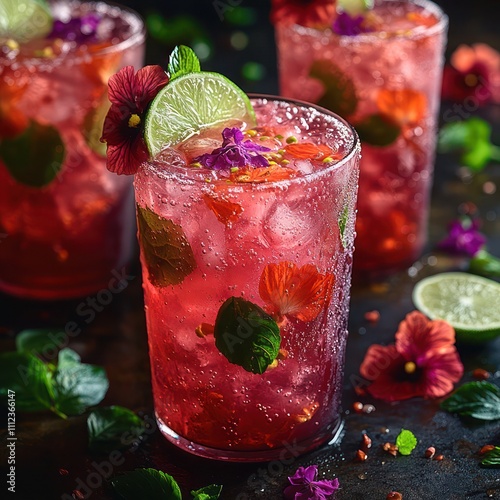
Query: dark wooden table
point(116, 339)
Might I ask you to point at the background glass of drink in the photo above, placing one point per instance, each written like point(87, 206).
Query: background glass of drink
point(209, 246)
point(387, 84)
point(65, 222)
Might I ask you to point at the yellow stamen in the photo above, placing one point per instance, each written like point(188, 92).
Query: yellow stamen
point(410, 367)
point(291, 140)
point(471, 80)
point(12, 44)
point(251, 132)
point(134, 121)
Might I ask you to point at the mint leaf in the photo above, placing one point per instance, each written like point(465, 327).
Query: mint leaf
point(42, 342)
point(34, 157)
point(147, 483)
point(492, 458)
point(76, 385)
point(377, 130)
point(183, 60)
point(29, 377)
point(406, 442)
point(246, 335)
point(211, 492)
point(485, 264)
point(479, 400)
point(344, 217)
point(166, 250)
point(340, 93)
point(113, 427)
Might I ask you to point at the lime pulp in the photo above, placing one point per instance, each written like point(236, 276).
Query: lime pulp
point(24, 20)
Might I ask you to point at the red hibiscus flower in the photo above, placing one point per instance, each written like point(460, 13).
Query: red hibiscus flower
point(311, 13)
point(130, 95)
point(474, 73)
point(423, 362)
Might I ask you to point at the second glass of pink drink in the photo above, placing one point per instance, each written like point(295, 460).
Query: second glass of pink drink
point(66, 224)
point(380, 69)
point(246, 213)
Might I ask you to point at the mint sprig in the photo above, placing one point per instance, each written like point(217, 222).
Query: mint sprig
point(485, 264)
point(492, 458)
point(472, 139)
point(154, 484)
point(68, 388)
point(479, 400)
point(182, 60)
point(406, 442)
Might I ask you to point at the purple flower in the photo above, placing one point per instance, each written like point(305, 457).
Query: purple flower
point(463, 238)
point(234, 153)
point(304, 486)
point(347, 25)
point(79, 29)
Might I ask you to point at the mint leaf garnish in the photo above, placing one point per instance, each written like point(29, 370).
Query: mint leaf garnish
point(113, 427)
point(76, 385)
point(492, 458)
point(147, 483)
point(480, 400)
point(166, 250)
point(30, 378)
point(340, 93)
point(182, 60)
point(246, 335)
point(41, 342)
point(472, 138)
point(344, 217)
point(377, 130)
point(211, 492)
point(485, 264)
point(34, 157)
point(406, 442)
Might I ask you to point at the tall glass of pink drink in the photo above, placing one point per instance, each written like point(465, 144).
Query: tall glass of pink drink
point(65, 222)
point(246, 282)
point(386, 82)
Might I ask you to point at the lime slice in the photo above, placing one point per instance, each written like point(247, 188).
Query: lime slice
point(190, 104)
point(23, 20)
point(471, 304)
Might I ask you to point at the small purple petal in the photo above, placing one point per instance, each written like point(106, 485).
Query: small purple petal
point(234, 153)
point(348, 26)
point(303, 485)
point(79, 29)
point(463, 238)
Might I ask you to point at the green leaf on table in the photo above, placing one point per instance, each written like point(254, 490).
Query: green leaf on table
point(107, 427)
point(246, 335)
point(166, 250)
point(492, 458)
point(211, 492)
point(485, 264)
point(182, 60)
point(340, 93)
point(147, 483)
point(34, 157)
point(406, 442)
point(77, 386)
point(42, 341)
point(480, 400)
point(30, 379)
point(377, 130)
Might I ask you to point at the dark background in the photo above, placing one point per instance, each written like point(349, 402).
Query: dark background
point(213, 22)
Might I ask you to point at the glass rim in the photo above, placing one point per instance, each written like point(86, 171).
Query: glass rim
point(415, 33)
point(137, 37)
point(355, 149)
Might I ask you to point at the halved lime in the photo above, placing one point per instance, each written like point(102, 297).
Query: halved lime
point(23, 20)
point(471, 304)
point(190, 104)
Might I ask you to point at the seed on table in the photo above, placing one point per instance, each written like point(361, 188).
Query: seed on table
point(357, 407)
point(486, 449)
point(430, 452)
point(361, 456)
point(367, 442)
point(439, 458)
point(480, 374)
point(394, 495)
point(372, 316)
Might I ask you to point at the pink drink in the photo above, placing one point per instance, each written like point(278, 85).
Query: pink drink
point(387, 84)
point(62, 238)
point(225, 232)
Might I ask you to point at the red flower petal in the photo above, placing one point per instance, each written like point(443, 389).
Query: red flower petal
point(225, 210)
point(115, 129)
point(310, 151)
point(126, 158)
point(405, 107)
point(122, 88)
point(442, 370)
point(297, 292)
point(312, 13)
point(149, 81)
point(417, 336)
point(272, 173)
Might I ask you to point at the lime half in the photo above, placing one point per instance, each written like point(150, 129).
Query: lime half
point(190, 104)
point(471, 304)
point(23, 20)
